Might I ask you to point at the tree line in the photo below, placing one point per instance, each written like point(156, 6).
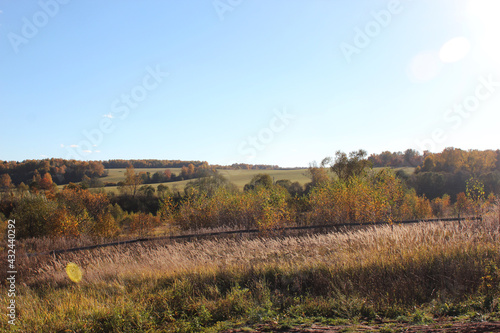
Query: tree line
point(344, 188)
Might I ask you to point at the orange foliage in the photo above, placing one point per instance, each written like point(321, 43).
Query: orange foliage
point(46, 182)
point(361, 200)
point(263, 208)
point(143, 223)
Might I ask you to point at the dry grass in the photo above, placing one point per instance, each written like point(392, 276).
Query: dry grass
point(187, 286)
point(352, 248)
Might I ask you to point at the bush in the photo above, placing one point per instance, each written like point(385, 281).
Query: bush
point(263, 208)
point(381, 197)
point(34, 215)
point(143, 224)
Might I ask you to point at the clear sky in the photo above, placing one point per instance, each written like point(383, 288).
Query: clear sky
point(283, 82)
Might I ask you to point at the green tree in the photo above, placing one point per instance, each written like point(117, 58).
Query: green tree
point(353, 165)
point(22, 189)
point(260, 180)
point(295, 189)
point(318, 173)
point(475, 194)
point(162, 189)
point(147, 190)
point(209, 185)
point(33, 215)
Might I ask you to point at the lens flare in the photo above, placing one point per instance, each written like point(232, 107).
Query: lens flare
point(74, 272)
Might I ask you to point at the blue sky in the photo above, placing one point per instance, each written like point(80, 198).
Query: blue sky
point(281, 82)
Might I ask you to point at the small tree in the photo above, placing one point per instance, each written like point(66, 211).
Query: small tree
point(162, 189)
point(143, 224)
point(318, 174)
point(440, 206)
point(462, 204)
point(33, 215)
point(22, 189)
point(132, 181)
point(147, 190)
point(475, 194)
point(260, 180)
point(353, 166)
point(46, 183)
point(5, 181)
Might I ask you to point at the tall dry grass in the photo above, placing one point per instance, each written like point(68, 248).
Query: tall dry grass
point(348, 249)
point(160, 285)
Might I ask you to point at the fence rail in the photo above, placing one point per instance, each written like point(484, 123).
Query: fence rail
point(253, 231)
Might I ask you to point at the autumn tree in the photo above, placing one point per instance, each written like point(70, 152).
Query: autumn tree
point(34, 215)
point(353, 165)
point(5, 181)
point(475, 194)
point(46, 182)
point(91, 210)
point(143, 223)
point(132, 181)
point(188, 172)
point(318, 173)
point(462, 205)
point(96, 169)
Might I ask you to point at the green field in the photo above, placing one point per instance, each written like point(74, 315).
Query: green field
point(116, 175)
point(237, 177)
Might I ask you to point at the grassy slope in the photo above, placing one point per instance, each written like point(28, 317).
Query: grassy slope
point(116, 175)
point(238, 177)
point(406, 274)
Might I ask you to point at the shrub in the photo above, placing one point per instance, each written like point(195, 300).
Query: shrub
point(381, 197)
point(34, 215)
point(143, 223)
point(263, 208)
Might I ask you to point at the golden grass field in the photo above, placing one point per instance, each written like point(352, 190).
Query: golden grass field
point(411, 273)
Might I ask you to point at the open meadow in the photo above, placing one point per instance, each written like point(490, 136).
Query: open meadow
point(237, 177)
point(386, 276)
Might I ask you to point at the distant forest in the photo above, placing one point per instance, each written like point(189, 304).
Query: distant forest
point(64, 171)
point(346, 188)
point(433, 174)
point(446, 172)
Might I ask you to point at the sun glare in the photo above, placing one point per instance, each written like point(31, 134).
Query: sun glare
point(483, 16)
point(424, 66)
point(454, 50)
